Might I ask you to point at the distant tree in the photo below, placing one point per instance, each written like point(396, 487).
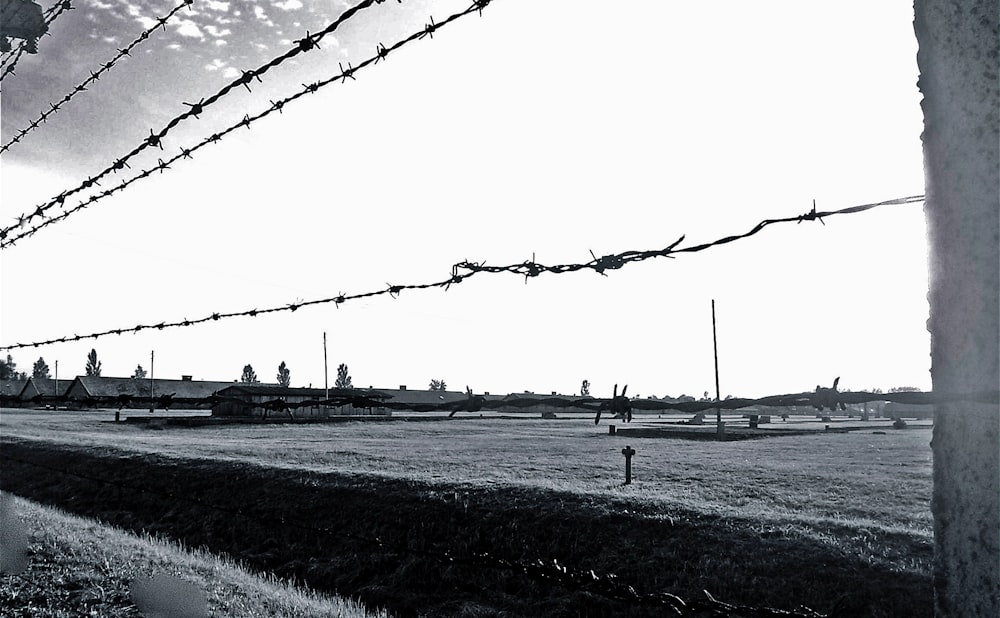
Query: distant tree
point(585, 388)
point(684, 398)
point(93, 365)
point(284, 375)
point(343, 378)
point(438, 385)
point(904, 389)
point(40, 369)
point(8, 370)
point(249, 375)
point(139, 374)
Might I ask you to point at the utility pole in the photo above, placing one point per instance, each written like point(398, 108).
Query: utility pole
point(715, 349)
point(152, 355)
point(326, 382)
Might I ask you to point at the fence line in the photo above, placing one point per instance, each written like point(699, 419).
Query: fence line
point(50, 15)
point(95, 75)
point(466, 269)
point(303, 45)
point(547, 571)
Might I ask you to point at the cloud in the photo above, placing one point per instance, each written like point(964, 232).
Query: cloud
point(217, 32)
point(262, 16)
point(217, 6)
point(189, 29)
point(215, 65)
point(288, 5)
point(230, 73)
point(147, 22)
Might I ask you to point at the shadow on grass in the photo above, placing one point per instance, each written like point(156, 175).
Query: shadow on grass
point(266, 518)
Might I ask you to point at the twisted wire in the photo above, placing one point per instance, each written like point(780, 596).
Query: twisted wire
point(94, 75)
point(303, 45)
point(466, 269)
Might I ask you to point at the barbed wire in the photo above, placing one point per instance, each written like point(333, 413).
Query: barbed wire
point(466, 269)
point(607, 585)
point(308, 43)
point(382, 52)
point(49, 16)
point(160, 22)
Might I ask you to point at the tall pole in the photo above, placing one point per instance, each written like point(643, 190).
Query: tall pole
point(56, 391)
point(326, 382)
point(715, 351)
point(152, 355)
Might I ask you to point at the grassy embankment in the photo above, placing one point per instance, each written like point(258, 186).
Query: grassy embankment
point(78, 567)
point(777, 522)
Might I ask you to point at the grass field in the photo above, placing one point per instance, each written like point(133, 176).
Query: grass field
point(847, 510)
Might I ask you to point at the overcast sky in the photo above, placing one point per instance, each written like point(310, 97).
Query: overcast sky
point(551, 128)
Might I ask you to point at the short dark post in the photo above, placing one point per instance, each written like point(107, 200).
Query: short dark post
point(628, 451)
point(611, 430)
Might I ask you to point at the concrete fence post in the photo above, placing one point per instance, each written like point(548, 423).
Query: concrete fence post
point(958, 58)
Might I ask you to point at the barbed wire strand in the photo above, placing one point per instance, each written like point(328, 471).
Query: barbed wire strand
point(382, 52)
point(466, 269)
point(303, 45)
point(549, 571)
point(50, 15)
point(160, 22)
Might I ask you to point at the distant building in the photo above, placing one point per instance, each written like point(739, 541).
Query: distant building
point(10, 392)
point(100, 390)
point(37, 390)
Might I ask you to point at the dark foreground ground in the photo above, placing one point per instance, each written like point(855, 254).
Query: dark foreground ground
point(434, 550)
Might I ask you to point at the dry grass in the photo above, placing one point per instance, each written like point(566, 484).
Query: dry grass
point(858, 478)
point(78, 567)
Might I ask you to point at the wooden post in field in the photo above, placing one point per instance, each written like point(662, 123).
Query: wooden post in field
point(55, 405)
point(719, 427)
point(628, 451)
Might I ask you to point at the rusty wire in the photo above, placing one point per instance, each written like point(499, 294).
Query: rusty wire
point(95, 75)
point(381, 53)
point(550, 571)
point(50, 15)
point(155, 138)
point(466, 269)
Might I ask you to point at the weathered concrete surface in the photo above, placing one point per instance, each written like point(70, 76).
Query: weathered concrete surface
point(958, 77)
